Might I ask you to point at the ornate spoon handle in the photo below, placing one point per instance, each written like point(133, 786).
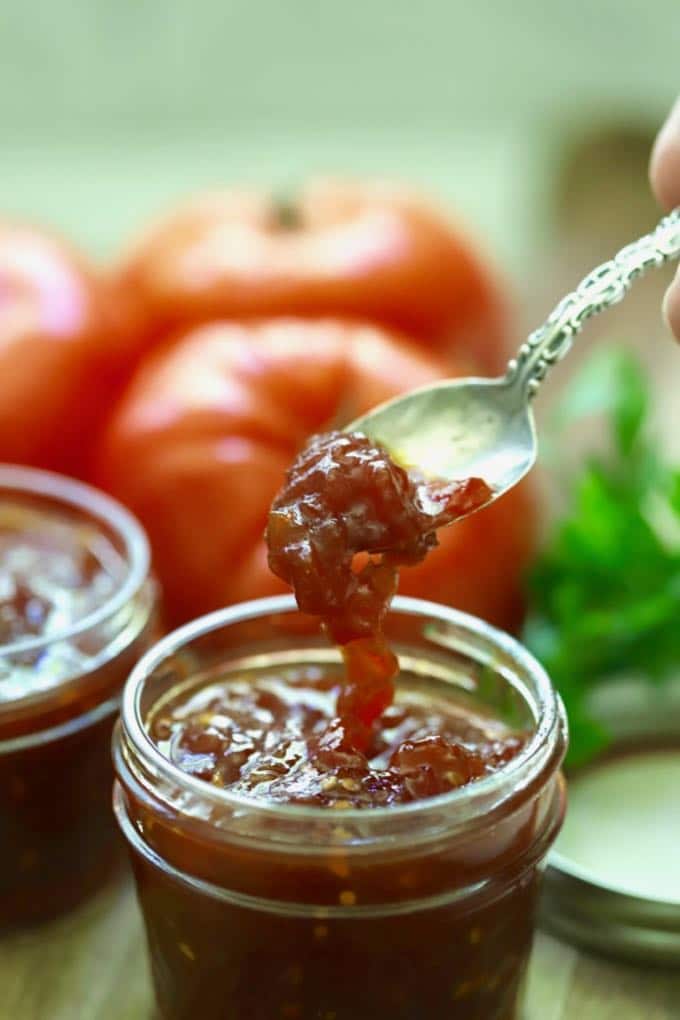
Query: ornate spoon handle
point(602, 288)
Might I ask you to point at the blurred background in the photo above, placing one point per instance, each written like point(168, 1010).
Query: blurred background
point(532, 120)
point(110, 108)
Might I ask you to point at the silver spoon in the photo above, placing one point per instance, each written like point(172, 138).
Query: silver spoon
point(484, 428)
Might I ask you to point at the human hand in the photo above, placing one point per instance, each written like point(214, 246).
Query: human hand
point(664, 173)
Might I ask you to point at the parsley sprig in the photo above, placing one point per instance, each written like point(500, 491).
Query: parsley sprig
point(605, 593)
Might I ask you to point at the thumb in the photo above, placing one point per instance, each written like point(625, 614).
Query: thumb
point(671, 305)
point(664, 168)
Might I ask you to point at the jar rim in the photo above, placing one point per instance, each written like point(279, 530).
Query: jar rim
point(105, 510)
point(550, 721)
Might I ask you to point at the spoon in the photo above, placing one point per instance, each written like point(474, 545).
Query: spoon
point(484, 428)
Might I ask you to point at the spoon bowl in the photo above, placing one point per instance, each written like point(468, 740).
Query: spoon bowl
point(457, 429)
point(484, 428)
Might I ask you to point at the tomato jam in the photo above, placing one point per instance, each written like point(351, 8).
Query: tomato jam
point(344, 496)
point(282, 875)
point(277, 737)
point(74, 616)
point(53, 572)
point(344, 522)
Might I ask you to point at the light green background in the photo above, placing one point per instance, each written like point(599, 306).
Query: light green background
point(110, 109)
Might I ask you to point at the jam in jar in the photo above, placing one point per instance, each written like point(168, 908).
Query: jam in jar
point(297, 862)
point(76, 612)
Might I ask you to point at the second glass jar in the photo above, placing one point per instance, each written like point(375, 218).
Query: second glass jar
point(59, 698)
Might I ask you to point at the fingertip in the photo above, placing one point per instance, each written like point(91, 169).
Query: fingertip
point(664, 166)
point(671, 306)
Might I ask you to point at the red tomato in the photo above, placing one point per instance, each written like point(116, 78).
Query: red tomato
point(480, 562)
point(201, 441)
point(60, 350)
point(367, 251)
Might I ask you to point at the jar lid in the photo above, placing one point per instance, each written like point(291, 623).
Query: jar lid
point(613, 880)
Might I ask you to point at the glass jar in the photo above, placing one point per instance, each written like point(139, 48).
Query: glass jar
point(59, 698)
point(259, 911)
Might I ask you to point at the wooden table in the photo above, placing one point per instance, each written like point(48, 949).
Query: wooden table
point(92, 966)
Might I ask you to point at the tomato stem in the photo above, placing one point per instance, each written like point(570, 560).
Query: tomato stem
point(286, 212)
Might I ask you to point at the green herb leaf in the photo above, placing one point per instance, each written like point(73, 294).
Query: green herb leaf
point(605, 593)
point(674, 492)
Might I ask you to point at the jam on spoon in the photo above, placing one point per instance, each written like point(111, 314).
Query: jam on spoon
point(344, 522)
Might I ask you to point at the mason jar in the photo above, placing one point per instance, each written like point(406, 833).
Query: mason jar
point(258, 911)
point(60, 694)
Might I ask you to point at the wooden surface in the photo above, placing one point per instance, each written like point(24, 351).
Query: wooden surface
point(92, 966)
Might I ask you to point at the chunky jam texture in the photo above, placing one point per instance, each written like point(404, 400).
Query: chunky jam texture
point(343, 496)
point(277, 737)
point(53, 572)
point(344, 522)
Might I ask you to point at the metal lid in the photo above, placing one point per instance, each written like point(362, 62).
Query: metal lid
point(607, 920)
point(613, 881)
